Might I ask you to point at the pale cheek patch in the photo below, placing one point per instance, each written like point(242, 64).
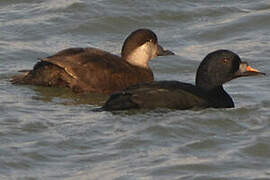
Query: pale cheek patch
point(141, 56)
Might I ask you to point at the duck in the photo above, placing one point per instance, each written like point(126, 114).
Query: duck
point(216, 68)
point(94, 70)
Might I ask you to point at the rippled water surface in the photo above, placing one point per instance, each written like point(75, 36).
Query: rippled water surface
point(51, 133)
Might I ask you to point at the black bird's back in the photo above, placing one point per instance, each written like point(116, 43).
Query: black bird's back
point(162, 94)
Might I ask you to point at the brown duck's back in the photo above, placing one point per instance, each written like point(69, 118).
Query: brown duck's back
point(99, 71)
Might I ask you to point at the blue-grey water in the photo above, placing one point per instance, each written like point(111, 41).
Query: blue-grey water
point(51, 133)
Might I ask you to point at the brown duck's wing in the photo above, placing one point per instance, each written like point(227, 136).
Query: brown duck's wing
point(108, 73)
point(69, 52)
point(99, 71)
point(163, 94)
point(69, 59)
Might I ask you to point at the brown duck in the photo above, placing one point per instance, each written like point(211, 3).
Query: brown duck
point(95, 70)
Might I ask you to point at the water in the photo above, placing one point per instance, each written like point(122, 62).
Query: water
point(51, 133)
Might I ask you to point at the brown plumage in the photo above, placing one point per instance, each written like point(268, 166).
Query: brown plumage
point(95, 70)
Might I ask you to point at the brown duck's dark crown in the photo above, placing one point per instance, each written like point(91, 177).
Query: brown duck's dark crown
point(136, 39)
point(217, 68)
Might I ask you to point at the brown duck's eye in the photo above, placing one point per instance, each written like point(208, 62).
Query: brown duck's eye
point(150, 40)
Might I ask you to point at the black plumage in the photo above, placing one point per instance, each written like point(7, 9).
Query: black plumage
point(216, 68)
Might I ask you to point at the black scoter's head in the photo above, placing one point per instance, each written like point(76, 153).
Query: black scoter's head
point(222, 66)
point(141, 46)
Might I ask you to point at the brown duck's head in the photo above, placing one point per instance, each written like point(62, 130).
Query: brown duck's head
point(141, 46)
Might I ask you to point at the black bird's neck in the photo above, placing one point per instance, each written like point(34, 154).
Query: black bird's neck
point(220, 98)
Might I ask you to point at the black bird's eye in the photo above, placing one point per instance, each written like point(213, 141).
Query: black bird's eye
point(225, 60)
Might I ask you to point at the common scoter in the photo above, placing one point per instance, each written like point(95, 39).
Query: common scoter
point(95, 70)
point(216, 69)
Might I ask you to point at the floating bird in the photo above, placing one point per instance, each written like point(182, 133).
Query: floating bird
point(95, 70)
point(216, 69)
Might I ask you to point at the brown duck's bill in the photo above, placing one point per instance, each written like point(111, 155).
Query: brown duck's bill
point(164, 52)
